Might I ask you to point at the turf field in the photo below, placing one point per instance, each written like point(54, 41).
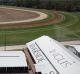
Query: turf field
point(68, 28)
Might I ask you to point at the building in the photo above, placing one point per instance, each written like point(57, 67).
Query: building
point(13, 62)
point(51, 57)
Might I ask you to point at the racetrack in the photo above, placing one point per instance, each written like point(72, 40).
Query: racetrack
point(15, 17)
point(62, 26)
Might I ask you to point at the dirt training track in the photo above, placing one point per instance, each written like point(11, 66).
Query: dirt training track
point(14, 18)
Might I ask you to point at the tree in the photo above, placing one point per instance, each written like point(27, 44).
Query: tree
point(38, 4)
point(18, 2)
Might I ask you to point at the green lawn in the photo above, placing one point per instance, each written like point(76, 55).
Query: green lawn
point(68, 29)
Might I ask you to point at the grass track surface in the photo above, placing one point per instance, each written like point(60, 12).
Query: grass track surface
point(67, 29)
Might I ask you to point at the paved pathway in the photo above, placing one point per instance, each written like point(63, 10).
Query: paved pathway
point(20, 47)
point(70, 42)
point(14, 47)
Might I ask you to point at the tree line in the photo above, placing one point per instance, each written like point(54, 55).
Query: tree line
point(68, 5)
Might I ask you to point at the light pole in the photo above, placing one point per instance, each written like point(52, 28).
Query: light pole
point(5, 39)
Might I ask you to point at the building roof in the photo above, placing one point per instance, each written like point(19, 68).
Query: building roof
point(55, 53)
point(12, 59)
